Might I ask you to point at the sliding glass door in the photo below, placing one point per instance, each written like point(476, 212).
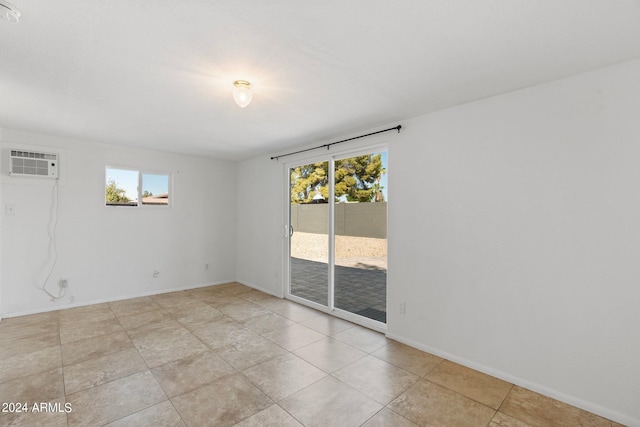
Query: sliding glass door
point(338, 235)
point(309, 232)
point(360, 236)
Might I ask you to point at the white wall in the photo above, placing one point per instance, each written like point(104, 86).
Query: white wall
point(260, 225)
point(519, 256)
point(109, 253)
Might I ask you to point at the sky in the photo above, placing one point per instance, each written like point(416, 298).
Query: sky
point(383, 180)
point(128, 181)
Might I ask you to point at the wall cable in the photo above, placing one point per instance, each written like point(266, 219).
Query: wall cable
point(53, 224)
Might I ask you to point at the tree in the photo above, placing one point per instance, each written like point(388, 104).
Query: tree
point(147, 193)
point(115, 194)
point(308, 181)
point(377, 187)
point(356, 178)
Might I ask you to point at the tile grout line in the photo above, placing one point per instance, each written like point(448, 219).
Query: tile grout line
point(64, 386)
point(235, 371)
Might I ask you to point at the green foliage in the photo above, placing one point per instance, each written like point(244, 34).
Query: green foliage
point(115, 194)
point(308, 181)
point(147, 193)
point(356, 178)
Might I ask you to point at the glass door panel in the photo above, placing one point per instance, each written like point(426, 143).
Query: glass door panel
point(360, 235)
point(309, 232)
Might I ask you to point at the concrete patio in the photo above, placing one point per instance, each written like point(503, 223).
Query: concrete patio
point(361, 287)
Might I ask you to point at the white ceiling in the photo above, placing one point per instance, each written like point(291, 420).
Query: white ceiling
point(158, 74)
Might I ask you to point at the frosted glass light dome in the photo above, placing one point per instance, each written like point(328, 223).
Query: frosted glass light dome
point(9, 11)
point(242, 93)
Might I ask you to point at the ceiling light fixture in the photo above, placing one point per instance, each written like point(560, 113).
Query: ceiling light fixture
point(241, 92)
point(10, 11)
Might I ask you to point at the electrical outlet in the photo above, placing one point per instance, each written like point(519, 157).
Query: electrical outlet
point(403, 308)
point(156, 274)
point(206, 267)
point(10, 209)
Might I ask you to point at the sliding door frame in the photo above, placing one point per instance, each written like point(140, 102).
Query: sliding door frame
point(286, 276)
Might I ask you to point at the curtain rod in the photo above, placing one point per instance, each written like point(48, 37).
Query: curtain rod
point(337, 142)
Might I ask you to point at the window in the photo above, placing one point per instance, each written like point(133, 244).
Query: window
point(155, 189)
point(121, 187)
point(127, 187)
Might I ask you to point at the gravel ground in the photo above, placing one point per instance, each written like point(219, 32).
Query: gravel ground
point(360, 252)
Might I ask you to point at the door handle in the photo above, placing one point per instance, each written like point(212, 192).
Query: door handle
point(288, 230)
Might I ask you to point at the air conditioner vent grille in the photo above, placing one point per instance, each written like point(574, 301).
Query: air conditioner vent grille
point(31, 155)
point(28, 163)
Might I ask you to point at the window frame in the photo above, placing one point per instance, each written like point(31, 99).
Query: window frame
point(139, 188)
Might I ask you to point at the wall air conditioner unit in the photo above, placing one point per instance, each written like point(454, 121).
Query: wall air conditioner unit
point(30, 163)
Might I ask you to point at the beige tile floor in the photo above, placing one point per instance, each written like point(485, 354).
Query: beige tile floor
point(230, 355)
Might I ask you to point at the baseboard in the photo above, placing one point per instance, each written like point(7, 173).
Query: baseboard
point(119, 298)
point(538, 388)
point(260, 288)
